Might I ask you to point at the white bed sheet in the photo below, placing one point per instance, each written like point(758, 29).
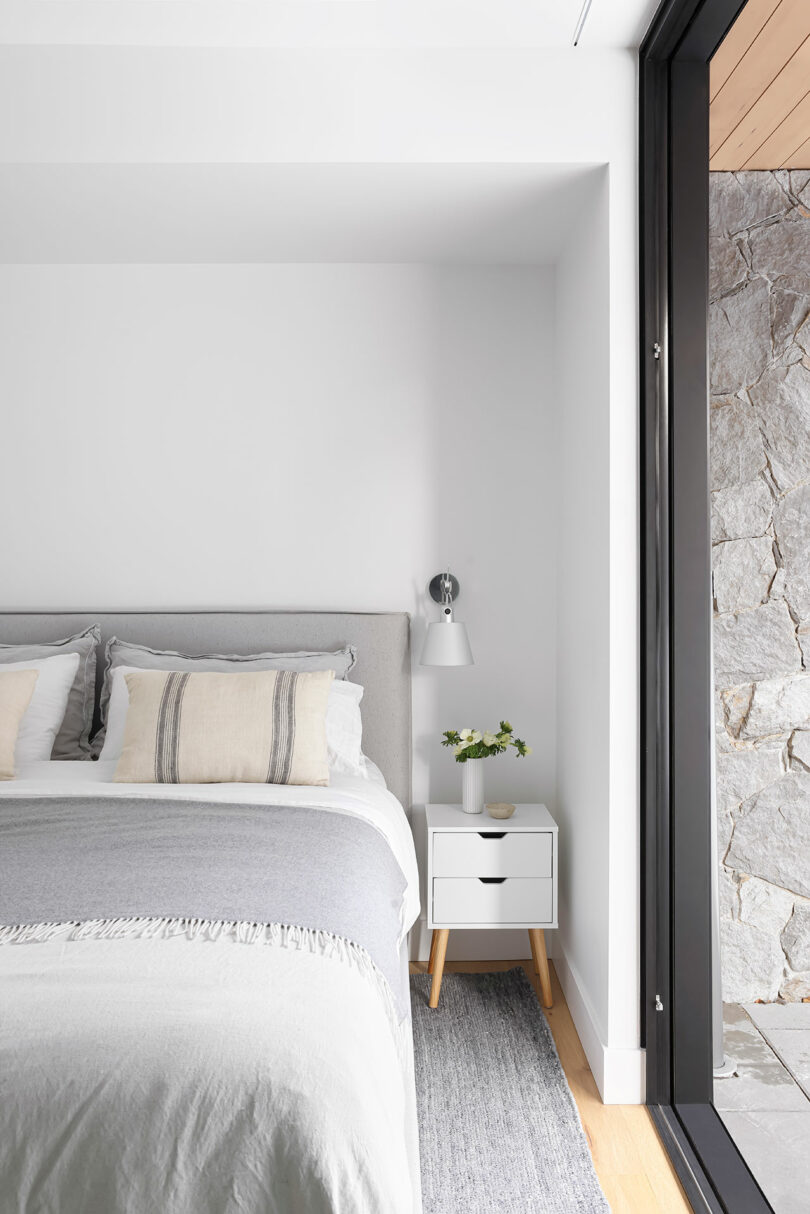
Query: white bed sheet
point(306, 1103)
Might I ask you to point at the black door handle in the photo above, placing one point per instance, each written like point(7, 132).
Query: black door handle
point(491, 880)
point(492, 834)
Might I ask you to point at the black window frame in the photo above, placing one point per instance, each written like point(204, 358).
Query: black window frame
point(676, 693)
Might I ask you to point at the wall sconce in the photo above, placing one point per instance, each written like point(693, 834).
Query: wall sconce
point(446, 643)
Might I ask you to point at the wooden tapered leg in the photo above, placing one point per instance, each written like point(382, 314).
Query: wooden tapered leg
point(440, 937)
point(537, 940)
point(432, 956)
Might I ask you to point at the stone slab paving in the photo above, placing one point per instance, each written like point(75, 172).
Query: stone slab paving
point(761, 1082)
point(792, 1047)
point(774, 1145)
point(778, 1015)
point(765, 1104)
point(786, 1029)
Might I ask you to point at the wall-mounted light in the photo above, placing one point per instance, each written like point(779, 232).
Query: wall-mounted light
point(446, 643)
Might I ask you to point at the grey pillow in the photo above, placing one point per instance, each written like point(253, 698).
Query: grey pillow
point(127, 653)
point(73, 738)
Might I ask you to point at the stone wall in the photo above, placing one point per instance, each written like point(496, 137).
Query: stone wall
point(760, 479)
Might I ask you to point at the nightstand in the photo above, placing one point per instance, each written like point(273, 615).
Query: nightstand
point(486, 873)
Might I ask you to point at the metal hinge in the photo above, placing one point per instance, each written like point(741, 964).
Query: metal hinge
point(656, 350)
point(659, 1007)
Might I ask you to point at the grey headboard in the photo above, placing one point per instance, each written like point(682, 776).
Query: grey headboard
point(383, 656)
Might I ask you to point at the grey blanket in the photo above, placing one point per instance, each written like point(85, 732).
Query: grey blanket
point(67, 859)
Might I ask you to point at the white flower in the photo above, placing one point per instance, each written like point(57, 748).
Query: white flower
point(458, 750)
point(466, 736)
point(490, 739)
point(475, 737)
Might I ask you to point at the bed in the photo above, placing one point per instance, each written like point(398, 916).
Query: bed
point(205, 995)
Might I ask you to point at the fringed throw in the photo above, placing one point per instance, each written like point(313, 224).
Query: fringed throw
point(280, 935)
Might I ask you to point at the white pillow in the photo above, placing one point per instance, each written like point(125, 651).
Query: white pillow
point(43, 717)
point(117, 709)
point(372, 772)
point(344, 726)
point(344, 729)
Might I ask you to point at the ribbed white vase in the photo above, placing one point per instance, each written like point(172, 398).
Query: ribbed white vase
point(472, 786)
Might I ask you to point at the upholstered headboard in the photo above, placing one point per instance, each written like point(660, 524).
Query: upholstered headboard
point(383, 656)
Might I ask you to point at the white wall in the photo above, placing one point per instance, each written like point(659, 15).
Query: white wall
point(597, 953)
point(296, 436)
point(163, 105)
point(142, 105)
point(583, 637)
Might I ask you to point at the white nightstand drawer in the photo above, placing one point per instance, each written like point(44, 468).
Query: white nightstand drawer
point(513, 900)
point(492, 853)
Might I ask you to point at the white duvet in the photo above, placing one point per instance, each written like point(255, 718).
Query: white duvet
point(199, 1076)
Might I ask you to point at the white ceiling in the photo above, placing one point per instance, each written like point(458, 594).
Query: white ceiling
point(324, 23)
point(275, 213)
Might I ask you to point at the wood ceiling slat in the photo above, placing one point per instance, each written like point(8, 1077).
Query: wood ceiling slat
point(785, 141)
point(788, 26)
point(767, 113)
point(800, 159)
point(737, 41)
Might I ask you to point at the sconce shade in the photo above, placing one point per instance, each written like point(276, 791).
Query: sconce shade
point(447, 644)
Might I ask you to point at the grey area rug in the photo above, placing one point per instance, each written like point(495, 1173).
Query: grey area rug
point(498, 1127)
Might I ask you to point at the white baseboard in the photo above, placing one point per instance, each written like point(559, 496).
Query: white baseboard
point(619, 1073)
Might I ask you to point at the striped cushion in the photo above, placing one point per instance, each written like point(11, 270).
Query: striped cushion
point(267, 727)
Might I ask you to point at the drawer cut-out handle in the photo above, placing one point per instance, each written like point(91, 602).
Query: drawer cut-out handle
point(492, 834)
point(491, 880)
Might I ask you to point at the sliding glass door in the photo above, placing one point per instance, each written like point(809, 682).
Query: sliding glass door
point(677, 743)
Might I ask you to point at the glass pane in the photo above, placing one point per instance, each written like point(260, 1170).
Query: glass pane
point(760, 502)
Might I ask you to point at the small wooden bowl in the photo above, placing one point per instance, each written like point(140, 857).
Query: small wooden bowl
point(500, 809)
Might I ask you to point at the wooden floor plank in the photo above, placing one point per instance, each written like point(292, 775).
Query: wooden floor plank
point(633, 1168)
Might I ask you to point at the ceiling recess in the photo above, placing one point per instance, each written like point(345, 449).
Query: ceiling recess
point(760, 89)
